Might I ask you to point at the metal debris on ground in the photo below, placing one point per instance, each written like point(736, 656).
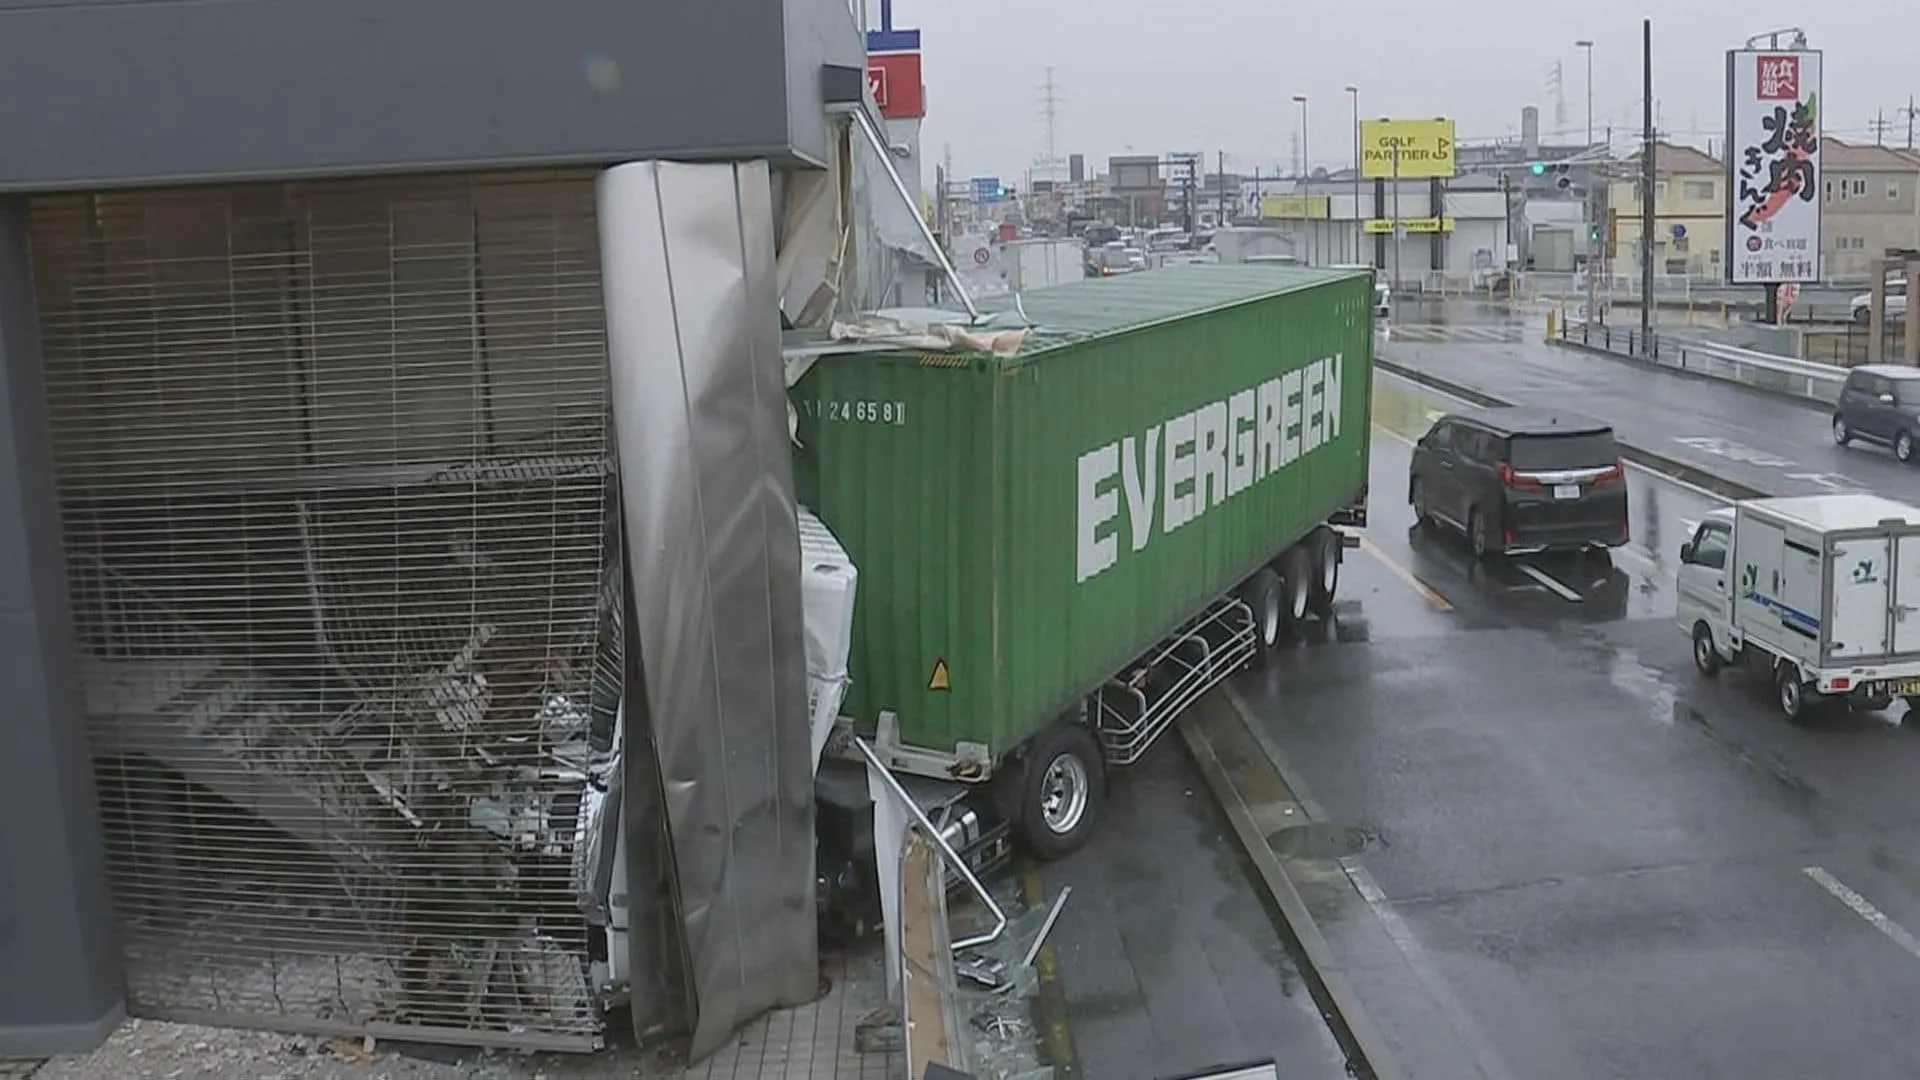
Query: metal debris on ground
point(998, 988)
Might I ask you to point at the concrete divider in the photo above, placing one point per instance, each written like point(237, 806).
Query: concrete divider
point(1243, 780)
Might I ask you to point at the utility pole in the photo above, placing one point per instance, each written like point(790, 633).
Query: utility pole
point(1506, 219)
point(1880, 127)
point(1647, 182)
point(1908, 112)
point(1224, 217)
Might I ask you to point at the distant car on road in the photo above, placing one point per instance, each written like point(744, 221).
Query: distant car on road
point(1521, 480)
point(1880, 404)
point(1862, 305)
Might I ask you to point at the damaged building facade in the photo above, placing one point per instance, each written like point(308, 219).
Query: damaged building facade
point(402, 607)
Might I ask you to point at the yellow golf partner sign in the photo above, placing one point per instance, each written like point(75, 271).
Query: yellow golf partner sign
point(1425, 149)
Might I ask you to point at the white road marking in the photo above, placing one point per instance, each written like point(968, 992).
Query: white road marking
point(1864, 908)
point(1554, 585)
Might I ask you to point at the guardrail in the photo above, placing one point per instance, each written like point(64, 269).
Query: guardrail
point(1802, 380)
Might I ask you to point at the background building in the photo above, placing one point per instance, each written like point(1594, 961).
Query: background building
point(1872, 197)
point(1689, 211)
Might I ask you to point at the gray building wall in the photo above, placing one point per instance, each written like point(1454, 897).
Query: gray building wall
point(818, 32)
point(106, 92)
point(60, 976)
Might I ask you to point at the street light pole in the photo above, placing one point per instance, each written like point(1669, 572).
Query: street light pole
point(1359, 234)
point(1593, 190)
point(1306, 179)
point(1399, 227)
point(1588, 47)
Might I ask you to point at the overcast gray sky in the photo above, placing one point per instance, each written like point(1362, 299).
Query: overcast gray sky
point(1220, 75)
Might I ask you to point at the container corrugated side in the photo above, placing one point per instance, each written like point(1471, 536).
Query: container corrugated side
point(897, 457)
point(1090, 574)
point(987, 602)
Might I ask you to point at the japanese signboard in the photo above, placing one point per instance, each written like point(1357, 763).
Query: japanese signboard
point(1409, 149)
point(1773, 166)
point(1411, 225)
point(1294, 207)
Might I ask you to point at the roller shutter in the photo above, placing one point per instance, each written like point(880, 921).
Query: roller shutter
point(334, 472)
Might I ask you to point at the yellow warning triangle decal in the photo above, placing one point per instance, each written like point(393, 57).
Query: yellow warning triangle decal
point(938, 680)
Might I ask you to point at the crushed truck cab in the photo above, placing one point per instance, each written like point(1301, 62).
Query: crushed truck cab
point(1818, 594)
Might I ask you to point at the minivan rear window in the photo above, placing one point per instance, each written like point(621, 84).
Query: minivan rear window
point(1544, 453)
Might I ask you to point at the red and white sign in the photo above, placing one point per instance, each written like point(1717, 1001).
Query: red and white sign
point(981, 256)
point(1773, 172)
point(895, 81)
point(1777, 77)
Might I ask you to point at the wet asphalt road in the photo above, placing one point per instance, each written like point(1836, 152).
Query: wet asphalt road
point(1764, 442)
point(1580, 858)
point(1167, 958)
point(1551, 849)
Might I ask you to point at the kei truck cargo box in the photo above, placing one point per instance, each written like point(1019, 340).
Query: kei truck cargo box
point(1060, 549)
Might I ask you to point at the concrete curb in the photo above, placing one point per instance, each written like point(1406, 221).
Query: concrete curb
point(1639, 455)
point(1670, 369)
point(1352, 1026)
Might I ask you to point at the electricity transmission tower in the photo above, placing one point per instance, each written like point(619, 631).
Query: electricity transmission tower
point(1049, 163)
point(1557, 86)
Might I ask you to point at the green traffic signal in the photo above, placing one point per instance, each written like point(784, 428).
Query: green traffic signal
point(1539, 168)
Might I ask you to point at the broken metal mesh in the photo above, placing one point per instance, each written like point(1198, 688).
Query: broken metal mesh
point(335, 475)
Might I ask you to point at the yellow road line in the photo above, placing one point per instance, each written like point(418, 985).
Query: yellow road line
point(1428, 592)
point(1392, 434)
point(1055, 1036)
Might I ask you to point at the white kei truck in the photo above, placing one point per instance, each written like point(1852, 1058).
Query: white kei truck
point(1819, 594)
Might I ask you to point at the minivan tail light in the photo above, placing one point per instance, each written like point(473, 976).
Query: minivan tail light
point(1614, 475)
point(1514, 480)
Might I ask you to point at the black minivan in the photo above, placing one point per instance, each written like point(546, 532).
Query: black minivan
point(1520, 480)
point(1880, 403)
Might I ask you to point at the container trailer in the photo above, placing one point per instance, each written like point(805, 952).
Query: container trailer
point(1060, 550)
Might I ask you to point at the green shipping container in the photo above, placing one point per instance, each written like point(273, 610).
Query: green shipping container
point(1026, 526)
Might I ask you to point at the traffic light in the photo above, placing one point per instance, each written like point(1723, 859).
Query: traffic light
point(1560, 178)
point(1593, 232)
point(1539, 168)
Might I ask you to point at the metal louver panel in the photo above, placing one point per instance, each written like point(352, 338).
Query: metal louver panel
point(334, 472)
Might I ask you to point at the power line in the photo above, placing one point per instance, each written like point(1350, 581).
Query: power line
point(1880, 126)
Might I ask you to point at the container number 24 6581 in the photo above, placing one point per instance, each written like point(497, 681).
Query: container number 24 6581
point(843, 411)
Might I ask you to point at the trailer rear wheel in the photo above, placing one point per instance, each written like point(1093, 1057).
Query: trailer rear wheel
point(1326, 548)
point(1063, 790)
point(1296, 574)
point(1265, 594)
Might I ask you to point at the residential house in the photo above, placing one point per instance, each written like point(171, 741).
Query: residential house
point(1689, 213)
point(1872, 203)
